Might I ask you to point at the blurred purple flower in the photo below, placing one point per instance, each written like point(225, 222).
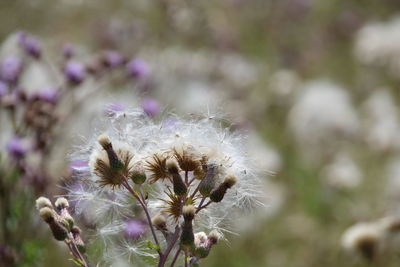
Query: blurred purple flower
point(30, 44)
point(134, 228)
point(114, 108)
point(113, 58)
point(75, 71)
point(10, 69)
point(68, 50)
point(169, 122)
point(138, 68)
point(16, 147)
point(79, 166)
point(3, 89)
point(49, 95)
point(150, 106)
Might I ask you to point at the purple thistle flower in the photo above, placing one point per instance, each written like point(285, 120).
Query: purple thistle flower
point(30, 44)
point(49, 95)
point(3, 89)
point(113, 58)
point(169, 122)
point(10, 69)
point(16, 148)
point(134, 228)
point(138, 68)
point(68, 50)
point(114, 108)
point(150, 106)
point(79, 166)
point(75, 71)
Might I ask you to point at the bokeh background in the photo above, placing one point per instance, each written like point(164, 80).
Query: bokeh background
point(314, 85)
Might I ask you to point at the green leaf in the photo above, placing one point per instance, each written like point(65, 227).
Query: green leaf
point(77, 262)
point(151, 245)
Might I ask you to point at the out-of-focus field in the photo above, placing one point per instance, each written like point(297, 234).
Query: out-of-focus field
point(315, 84)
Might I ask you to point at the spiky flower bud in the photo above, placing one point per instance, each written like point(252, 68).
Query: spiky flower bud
point(218, 194)
point(42, 202)
point(187, 236)
point(159, 222)
point(61, 203)
point(138, 175)
point(208, 183)
point(180, 188)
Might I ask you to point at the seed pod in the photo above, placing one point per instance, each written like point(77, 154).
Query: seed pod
point(115, 162)
point(187, 236)
point(138, 175)
point(180, 188)
point(208, 183)
point(218, 194)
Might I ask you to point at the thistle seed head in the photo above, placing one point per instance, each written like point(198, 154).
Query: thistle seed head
point(187, 157)
point(156, 165)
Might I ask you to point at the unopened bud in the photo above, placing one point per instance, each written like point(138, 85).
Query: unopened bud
point(188, 212)
point(208, 183)
point(159, 222)
point(42, 202)
point(213, 237)
point(138, 175)
point(47, 214)
point(61, 203)
point(187, 236)
point(105, 142)
point(218, 194)
point(180, 188)
point(58, 230)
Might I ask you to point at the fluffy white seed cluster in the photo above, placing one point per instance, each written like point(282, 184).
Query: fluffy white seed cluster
point(322, 112)
point(378, 43)
point(370, 239)
point(134, 133)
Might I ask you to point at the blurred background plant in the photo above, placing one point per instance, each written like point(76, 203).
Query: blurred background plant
point(314, 85)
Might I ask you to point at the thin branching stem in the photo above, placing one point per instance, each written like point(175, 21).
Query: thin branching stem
point(175, 257)
point(144, 206)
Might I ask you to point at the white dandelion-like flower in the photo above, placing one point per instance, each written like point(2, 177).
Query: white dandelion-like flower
point(170, 177)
